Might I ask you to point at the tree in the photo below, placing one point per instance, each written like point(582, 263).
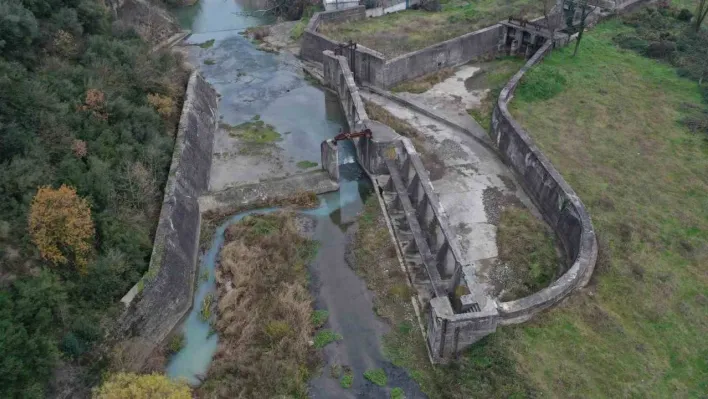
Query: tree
point(147, 386)
point(585, 11)
point(29, 316)
point(60, 225)
point(701, 12)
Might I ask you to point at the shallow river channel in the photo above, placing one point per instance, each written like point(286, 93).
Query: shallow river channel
point(274, 88)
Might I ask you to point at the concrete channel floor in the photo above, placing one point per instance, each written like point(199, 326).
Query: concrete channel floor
point(472, 182)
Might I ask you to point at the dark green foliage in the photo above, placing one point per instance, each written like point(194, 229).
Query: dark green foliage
point(684, 15)
point(666, 34)
point(28, 311)
point(115, 151)
point(539, 85)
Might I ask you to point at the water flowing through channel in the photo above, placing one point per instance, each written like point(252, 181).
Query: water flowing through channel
point(258, 85)
point(193, 360)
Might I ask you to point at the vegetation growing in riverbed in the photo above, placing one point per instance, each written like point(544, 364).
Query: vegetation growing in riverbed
point(319, 318)
point(347, 378)
point(176, 343)
point(207, 44)
point(205, 310)
point(254, 132)
point(264, 311)
point(325, 337)
point(306, 164)
point(377, 376)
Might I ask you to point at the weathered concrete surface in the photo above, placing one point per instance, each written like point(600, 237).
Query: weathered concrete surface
point(471, 181)
point(450, 53)
point(317, 182)
point(435, 264)
point(271, 87)
point(165, 291)
point(374, 69)
point(558, 203)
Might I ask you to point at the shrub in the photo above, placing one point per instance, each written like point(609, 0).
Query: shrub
point(632, 42)
point(377, 376)
point(684, 15)
point(319, 318)
point(129, 385)
point(164, 105)
point(176, 343)
point(60, 225)
point(541, 84)
point(663, 49)
point(326, 337)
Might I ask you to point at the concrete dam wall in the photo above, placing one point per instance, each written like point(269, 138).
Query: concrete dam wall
point(164, 295)
point(375, 69)
point(556, 200)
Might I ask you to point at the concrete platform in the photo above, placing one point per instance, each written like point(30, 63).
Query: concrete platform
point(472, 182)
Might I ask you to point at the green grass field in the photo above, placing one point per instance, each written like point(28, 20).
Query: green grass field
point(402, 32)
point(609, 120)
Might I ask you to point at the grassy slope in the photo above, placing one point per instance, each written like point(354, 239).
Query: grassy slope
point(613, 132)
point(398, 33)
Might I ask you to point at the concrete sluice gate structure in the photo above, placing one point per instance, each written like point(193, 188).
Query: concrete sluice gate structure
point(457, 308)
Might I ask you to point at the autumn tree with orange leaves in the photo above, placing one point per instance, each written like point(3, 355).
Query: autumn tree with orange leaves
point(60, 225)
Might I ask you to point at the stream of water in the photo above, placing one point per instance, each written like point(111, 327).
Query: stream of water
point(273, 87)
point(194, 359)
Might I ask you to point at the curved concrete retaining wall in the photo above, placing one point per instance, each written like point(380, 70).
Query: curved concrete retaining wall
point(373, 68)
point(164, 295)
point(424, 234)
point(556, 200)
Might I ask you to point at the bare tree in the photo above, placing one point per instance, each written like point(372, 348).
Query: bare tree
point(585, 11)
point(701, 12)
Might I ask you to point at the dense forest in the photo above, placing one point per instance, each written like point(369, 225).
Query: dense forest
point(87, 122)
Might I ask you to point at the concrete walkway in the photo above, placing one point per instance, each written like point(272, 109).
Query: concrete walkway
point(472, 182)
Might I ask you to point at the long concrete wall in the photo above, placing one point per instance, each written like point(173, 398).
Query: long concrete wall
point(164, 295)
point(450, 53)
point(556, 200)
point(374, 69)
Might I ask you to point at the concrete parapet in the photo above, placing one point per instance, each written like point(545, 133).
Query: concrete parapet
point(164, 295)
point(266, 192)
point(556, 200)
point(372, 67)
